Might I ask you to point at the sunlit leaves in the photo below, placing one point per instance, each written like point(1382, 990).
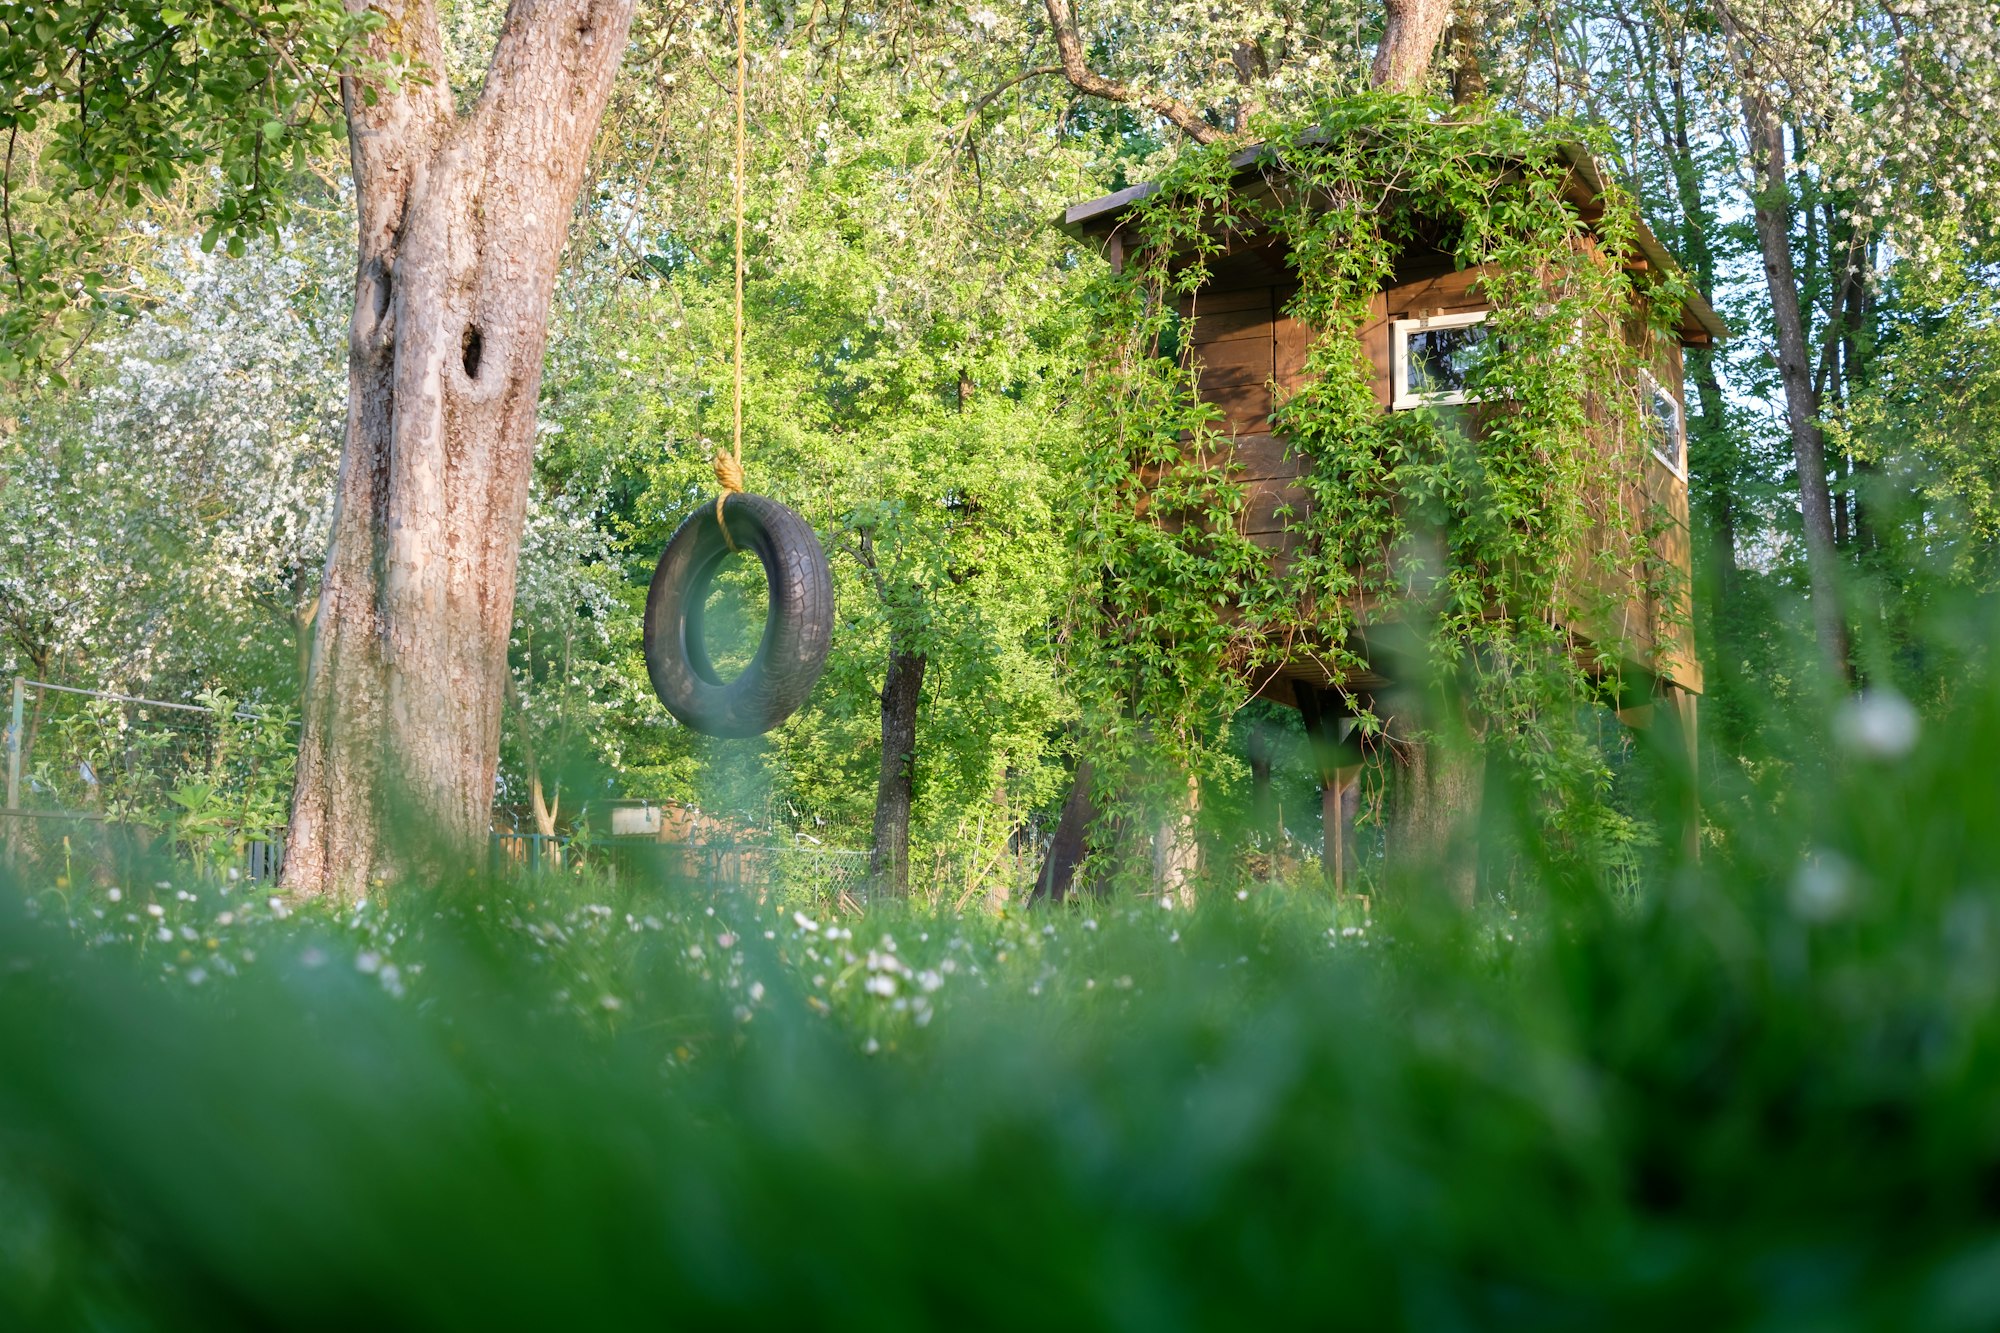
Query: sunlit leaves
point(105, 103)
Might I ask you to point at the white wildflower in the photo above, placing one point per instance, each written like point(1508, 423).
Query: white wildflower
point(1878, 724)
point(1823, 888)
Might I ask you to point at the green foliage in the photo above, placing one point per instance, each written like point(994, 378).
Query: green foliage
point(574, 1104)
point(106, 104)
point(207, 783)
point(1497, 533)
point(910, 355)
point(1930, 418)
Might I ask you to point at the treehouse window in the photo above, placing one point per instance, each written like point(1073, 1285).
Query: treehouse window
point(1434, 359)
point(1666, 426)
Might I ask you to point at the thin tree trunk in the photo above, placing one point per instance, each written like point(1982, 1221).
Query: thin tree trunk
point(1468, 79)
point(902, 691)
point(1712, 455)
point(302, 638)
point(1773, 219)
point(1071, 841)
point(462, 221)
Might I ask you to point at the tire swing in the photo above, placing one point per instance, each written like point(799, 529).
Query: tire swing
point(798, 625)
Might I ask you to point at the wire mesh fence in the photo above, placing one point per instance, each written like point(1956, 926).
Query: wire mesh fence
point(104, 787)
point(763, 869)
point(100, 782)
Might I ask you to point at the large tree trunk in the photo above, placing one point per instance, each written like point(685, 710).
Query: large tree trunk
point(902, 691)
point(462, 220)
point(1774, 227)
point(1410, 33)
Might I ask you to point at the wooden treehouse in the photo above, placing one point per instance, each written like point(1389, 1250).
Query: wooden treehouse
point(1249, 354)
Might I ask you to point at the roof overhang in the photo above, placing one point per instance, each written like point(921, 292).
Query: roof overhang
point(1699, 324)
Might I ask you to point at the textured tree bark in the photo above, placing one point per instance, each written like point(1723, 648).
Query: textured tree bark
point(902, 691)
point(1468, 78)
point(462, 220)
point(1774, 226)
point(1410, 33)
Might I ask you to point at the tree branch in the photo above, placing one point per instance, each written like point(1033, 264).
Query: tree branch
point(979, 107)
point(7, 212)
point(1074, 67)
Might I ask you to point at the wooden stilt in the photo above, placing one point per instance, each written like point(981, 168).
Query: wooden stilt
point(1339, 802)
point(1338, 761)
point(1676, 707)
point(1685, 703)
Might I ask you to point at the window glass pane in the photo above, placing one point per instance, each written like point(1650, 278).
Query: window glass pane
point(1442, 360)
point(1666, 428)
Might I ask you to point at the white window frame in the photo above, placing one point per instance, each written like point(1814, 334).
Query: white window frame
point(1656, 390)
point(1401, 399)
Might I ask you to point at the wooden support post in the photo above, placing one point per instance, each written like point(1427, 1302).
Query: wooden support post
point(1684, 702)
point(15, 734)
point(1674, 706)
point(1176, 852)
point(1339, 778)
point(1333, 844)
point(1338, 804)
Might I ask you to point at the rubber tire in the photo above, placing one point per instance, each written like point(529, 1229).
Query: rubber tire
point(798, 627)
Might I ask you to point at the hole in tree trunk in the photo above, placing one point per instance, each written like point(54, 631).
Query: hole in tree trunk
point(381, 290)
point(472, 348)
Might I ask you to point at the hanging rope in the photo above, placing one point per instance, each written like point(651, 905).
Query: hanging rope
point(729, 466)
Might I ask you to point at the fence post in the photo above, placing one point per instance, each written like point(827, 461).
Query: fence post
point(14, 738)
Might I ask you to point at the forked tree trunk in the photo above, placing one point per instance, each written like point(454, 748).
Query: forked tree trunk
point(462, 220)
point(902, 691)
point(545, 809)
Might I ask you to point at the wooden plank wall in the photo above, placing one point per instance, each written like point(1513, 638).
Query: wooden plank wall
point(1246, 348)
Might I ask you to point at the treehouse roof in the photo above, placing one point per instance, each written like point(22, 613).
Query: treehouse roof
point(1699, 324)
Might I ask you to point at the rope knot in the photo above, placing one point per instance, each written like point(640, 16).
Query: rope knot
point(729, 473)
point(729, 476)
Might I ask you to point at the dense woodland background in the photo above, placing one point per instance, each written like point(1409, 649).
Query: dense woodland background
point(916, 344)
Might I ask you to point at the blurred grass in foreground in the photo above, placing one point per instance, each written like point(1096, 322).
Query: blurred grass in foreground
point(1765, 1093)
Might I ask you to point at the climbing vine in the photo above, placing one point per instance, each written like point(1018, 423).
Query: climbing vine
point(1497, 530)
